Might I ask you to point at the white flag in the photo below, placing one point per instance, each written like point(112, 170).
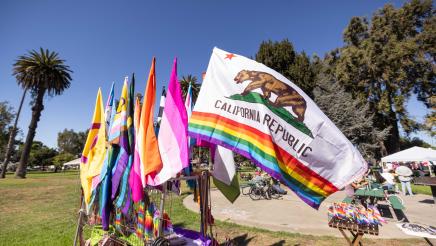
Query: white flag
point(255, 111)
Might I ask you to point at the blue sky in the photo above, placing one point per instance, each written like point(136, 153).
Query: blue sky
point(102, 41)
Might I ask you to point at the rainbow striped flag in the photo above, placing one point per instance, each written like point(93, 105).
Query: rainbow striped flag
point(118, 135)
point(255, 111)
point(124, 197)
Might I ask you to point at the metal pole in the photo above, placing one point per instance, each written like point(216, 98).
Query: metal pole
point(162, 206)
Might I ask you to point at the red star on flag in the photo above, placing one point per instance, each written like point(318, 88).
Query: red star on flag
point(230, 56)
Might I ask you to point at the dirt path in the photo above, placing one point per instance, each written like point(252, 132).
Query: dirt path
point(292, 215)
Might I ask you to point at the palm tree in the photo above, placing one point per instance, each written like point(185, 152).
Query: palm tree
point(184, 83)
point(12, 138)
point(40, 73)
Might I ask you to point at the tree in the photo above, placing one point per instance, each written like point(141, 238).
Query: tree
point(71, 142)
point(60, 159)
point(353, 118)
point(281, 57)
point(184, 83)
point(41, 155)
point(42, 73)
point(387, 60)
point(430, 121)
point(406, 143)
point(11, 142)
point(6, 116)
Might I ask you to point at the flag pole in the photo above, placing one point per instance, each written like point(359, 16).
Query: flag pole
point(79, 230)
point(162, 206)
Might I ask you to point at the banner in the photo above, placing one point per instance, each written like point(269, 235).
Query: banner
point(93, 153)
point(255, 111)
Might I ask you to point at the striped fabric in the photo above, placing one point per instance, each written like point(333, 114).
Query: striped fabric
point(105, 201)
point(257, 112)
point(173, 140)
point(259, 147)
point(161, 105)
point(135, 181)
point(124, 198)
point(118, 135)
point(140, 220)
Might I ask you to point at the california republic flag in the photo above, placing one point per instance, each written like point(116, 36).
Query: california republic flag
point(255, 111)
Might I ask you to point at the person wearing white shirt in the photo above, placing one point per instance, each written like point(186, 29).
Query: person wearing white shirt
point(389, 179)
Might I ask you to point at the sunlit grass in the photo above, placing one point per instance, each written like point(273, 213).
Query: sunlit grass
point(42, 210)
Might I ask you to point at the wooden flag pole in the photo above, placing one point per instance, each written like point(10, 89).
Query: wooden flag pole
point(78, 238)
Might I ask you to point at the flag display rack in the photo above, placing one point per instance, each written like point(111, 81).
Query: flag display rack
point(201, 177)
point(357, 231)
point(129, 162)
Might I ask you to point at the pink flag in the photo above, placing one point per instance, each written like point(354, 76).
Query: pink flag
point(172, 138)
point(135, 174)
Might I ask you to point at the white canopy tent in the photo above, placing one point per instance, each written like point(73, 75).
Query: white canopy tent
point(412, 154)
point(74, 164)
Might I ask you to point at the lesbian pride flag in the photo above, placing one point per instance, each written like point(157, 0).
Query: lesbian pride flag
point(173, 140)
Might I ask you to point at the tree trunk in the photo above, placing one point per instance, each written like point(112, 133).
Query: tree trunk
point(12, 138)
point(392, 142)
point(36, 114)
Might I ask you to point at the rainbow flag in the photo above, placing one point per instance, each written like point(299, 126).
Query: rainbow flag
point(173, 140)
point(124, 198)
point(105, 201)
point(94, 151)
point(118, 135)
point(255, 111)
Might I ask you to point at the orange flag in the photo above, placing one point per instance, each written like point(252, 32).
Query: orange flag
point(148, 149)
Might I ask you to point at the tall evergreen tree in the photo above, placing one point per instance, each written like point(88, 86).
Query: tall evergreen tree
point(387, 60)
point(295, 66)
point(353, 118)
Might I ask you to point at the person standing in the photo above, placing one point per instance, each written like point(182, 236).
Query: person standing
point(405, 176)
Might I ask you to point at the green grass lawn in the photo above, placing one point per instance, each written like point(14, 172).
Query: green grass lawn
point(42, 210)
point(420, 189)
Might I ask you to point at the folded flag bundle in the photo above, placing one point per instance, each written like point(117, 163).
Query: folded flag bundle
point(355, 214)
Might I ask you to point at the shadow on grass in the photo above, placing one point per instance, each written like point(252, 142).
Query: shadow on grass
point(279, 243)
point(240, 240)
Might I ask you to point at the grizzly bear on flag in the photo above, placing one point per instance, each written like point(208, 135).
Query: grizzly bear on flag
point(286, 95)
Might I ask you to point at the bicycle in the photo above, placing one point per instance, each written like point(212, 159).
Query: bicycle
point(263, 189)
